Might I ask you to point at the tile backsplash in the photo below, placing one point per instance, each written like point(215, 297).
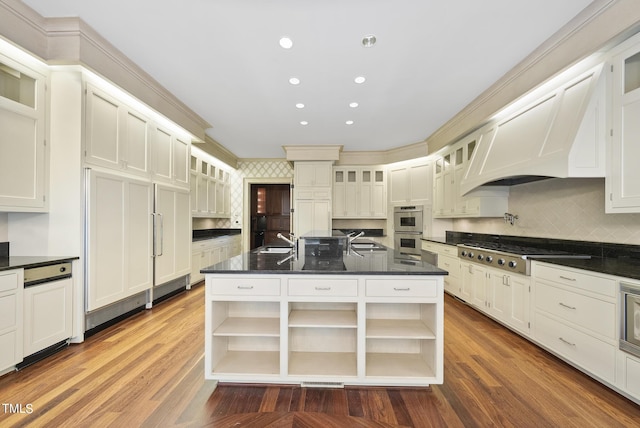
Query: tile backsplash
point(563, 208)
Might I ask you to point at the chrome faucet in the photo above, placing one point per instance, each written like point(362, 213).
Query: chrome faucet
point(353, 238)
point(294, 244)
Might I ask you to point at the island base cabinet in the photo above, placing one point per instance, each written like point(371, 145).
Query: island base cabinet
point(351, 331)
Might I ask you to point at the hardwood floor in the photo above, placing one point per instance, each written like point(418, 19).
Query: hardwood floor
point(148, 371)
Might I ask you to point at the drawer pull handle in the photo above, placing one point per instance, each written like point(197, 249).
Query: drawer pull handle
point(567, 342)
point(567, 306)
point(567, 278)
point(402, 289)
point(245, 287)
point(323, 288)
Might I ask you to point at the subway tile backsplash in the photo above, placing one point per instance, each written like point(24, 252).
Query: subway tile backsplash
point(562, 208)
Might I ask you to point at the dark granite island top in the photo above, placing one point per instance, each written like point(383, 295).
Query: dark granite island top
point(379, 261)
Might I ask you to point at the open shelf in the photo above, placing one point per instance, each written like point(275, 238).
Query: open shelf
point(323, 318)
point(322, 364)
point(398, 329)
point(249, 327)
point(249, 362)
point(397, 366)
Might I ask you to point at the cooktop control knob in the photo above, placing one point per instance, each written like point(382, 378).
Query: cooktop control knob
point(463, 253)
point(501, 262)
point(470, 255)
point(489, 259)
point(512, 264)
point(480, 257)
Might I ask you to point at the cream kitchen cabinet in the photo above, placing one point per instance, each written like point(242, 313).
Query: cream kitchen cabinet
point(312, 175)
point(311, 215)
point(210, 187)
point(451, 166)
point(11, 319)
point(359, 192)
point(623, 175)
point(312, 196)
point(508, 299)
point(208, 252)
point(449, 261)
point(117, 136)
point(410, 184)
point(24, 159)
point(575, 317)
point(119, 238)
point(170, 156)
point(324, 329)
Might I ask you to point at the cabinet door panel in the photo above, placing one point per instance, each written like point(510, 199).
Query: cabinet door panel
point(137, 143)
point(162, 154)
point(103, 145)
point(139, 240)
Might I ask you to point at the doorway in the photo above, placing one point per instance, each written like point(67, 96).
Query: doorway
point(270, 213)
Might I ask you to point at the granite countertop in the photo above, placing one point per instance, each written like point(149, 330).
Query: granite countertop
point(18, 262)
point(618, 266)
point(384, 261)
point(204, 234)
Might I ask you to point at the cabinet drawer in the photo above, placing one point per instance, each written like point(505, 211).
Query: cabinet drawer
point(323, 287)
point(573, 278)
point(450, 250)
point(8, 312)
point(596, 315)
point(586, 351)
point(246, 286)
point(8, 281)
point(401, 288)
point(450, 264)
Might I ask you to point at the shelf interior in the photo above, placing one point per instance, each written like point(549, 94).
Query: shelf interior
point(249, 362)
point(323, 318)
point(323, 363)
point(398, 329)
point(246, 326)
point(397, 365)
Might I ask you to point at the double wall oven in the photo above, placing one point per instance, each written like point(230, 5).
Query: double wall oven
point(408, 222)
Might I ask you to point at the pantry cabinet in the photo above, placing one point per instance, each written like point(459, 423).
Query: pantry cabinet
point(410, 184)
point(312, 196)
point(359, 192)
point(24, 159)
point(623, 175)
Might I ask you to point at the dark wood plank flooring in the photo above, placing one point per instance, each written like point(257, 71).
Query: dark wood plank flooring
point(148, 371)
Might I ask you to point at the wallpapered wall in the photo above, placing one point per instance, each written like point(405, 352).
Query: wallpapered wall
point(564, 208)
point(246, 169)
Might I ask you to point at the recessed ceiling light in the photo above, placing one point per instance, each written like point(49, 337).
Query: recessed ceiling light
point(349, 122)
point(294, 81)
point(287, 43)
point(304, 122)
point(359, 79)
point(368, 41)
point(299, 105)
point(353, 105)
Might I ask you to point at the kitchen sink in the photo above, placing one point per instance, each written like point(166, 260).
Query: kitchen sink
point(275, 250)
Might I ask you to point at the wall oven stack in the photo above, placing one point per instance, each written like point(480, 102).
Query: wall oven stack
point(408, 223)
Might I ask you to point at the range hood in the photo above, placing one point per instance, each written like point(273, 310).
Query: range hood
point(560, 134)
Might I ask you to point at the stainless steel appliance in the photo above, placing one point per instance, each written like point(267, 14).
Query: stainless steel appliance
point(408, 219)
point(630, 318)
point(407, 225)
point(511, 258)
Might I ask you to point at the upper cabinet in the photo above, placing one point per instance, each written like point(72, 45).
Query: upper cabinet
point(623, 175)
point(120, 137)
point(312, 180)
point(451, 166)
point(410, 184)
point(359, 192)
point(210, 186)
point(23, 150)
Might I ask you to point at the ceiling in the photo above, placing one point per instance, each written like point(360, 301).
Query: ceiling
point(223, 60)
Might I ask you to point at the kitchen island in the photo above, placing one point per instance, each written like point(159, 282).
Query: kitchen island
point(370, 316)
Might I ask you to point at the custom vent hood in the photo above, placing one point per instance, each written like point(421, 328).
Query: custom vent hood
point(561, 134)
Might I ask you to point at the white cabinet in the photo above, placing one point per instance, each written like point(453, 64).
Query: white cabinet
point(170, 157)
point(117, 136)
point(324, 329)
point(210, 251)
point(210, 187)
point(449, 261)
point(623, 175)
point(119, 235)
point(48, 314)
point(451, 166)
point(24, 154)
point(311, 215)
point(172, 246)
point(359, 192)
point(508, 299)
point(410, 184)
point(312, 196)
point(11, 319)
point(575, 316)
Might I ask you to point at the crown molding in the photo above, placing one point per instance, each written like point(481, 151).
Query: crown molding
point(329, 152)
point(217, 150)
